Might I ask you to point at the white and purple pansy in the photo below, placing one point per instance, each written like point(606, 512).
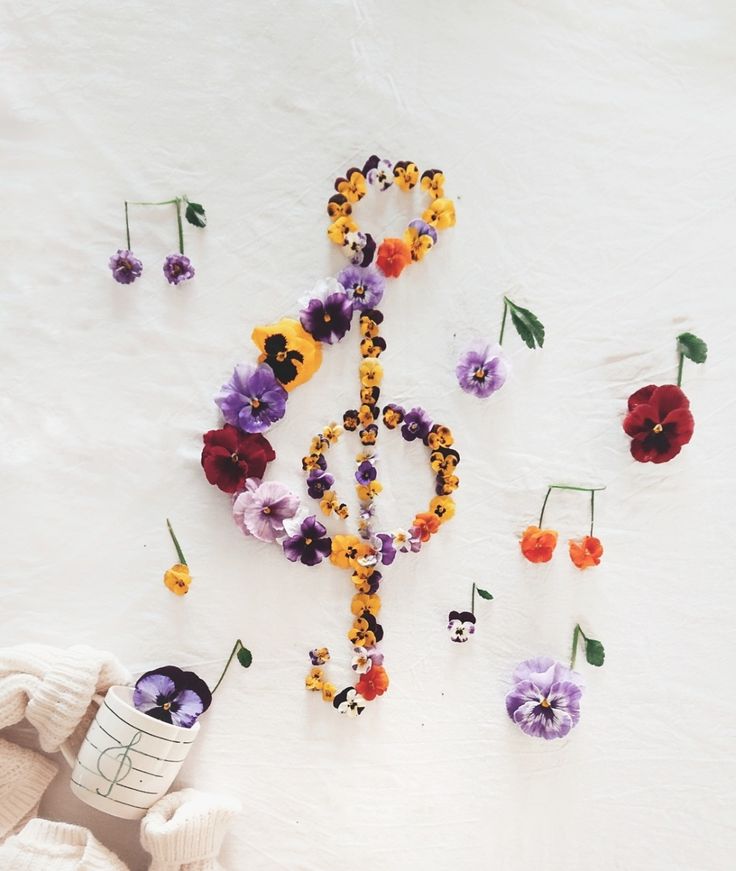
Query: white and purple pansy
point(349, 702)
point(379, 172)
point(460, 625)
point(172, 696)
point(545, 699)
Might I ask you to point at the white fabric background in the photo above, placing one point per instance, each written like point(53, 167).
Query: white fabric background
point(590, 150)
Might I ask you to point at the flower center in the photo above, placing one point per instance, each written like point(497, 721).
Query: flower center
point(234, 457)
point(281, 356)
point(307, 541)
point(480, 374)
point(327, 318)
point(545, 703)
point(657, 428)
point(266, 510)
point(359, 290)
point(255, 403)
point(166, 706)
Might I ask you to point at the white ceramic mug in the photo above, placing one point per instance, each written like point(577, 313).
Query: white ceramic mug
point(127, 760)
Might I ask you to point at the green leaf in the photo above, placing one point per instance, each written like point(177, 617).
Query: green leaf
point(484, 594)
point(195, 215)
point(528, 325)
point(692, 347)
point(594, 651)
point(245, 657)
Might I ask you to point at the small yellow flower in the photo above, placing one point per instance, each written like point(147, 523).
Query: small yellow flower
point(440, 437)
point(369, 436)
point(366, 415)
point(178, 579)
point(365, 454)
point(443, 507)
point(368, 327)
point(313, 681)
point(345, 550)
point(317, 445)
point(441, 214)
point(448, 484)
point(322, 653)
point(444, 462)
point(342, 511)
point(311, 462)
point(289, 350)
point(371, 373)
point(354, 187)
point(406, 174)
point(368, 348)
point(419, 243)
point(369, 395)
point(433, 181)
point(338, 206)
point(332, 433)
point(328, 502)
point(368, 492)
point(363, 602)
point(328, 692)
point(361, 635)
point(339, 229)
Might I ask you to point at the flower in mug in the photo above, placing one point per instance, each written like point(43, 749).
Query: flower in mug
point(178, 579)
point(373, 683)
point(586, 553)
point(659, 422)
point(349, 702)
point(327, 320)
point(482, 369)
point(252, 399)
point(125, 266)
point(261, 509)
point(460, 625)
point(178, 268)
point(172, 696)
point(538, 545)
point(364, 286)
point(230, 456)
point(393, 255)
point(310, 545)
point(545, 699)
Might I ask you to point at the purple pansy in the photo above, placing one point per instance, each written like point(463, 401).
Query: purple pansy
point(416, 424)
point(364, 286)
point(460, 625)
point(260, 510)
point(380, 173)
point(178, 268)
point(125, 266)
point(366, 473)
point(545, 701)
point(482, 369)
point(310, 545)
point(252, 399)
point(327, 320)
point(172, 695)
point(359, 248)
point(318, 482)
point(384, 545)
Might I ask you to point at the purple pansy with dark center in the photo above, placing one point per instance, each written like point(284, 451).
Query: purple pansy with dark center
point(125, 266)
point(172, 695)
point(460, 625)
point(252, 399)
point(349, 702)
point(416, 425)
point(545, 701)
point(482, 369)
point(327, 320)
point(310, 545)
point(260, 510)
point(318, 482)
point(364, 286)
point(178, 268)
point(366, 473)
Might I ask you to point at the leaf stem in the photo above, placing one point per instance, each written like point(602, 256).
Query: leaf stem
point(503, 320)
point(127, 226)
point(472, 601)
point(592, 511)
point(160, 203)
point(181, 229)
point(575, 636)
point(238, 644)
point(679, 370)
point(176, 543)
point(544, 505)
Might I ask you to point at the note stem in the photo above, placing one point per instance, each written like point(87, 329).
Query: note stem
point(127, 226)
point(176, 543)
point(238, 644)
point(503, 320)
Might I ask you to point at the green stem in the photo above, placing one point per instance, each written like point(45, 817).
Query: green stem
point(127, 225)
point(181, 229)
point(575, 636)
point(544, 505)
point(503, 320)
point(238, 644)
point(679, 370)
point(176, 543)
point(592, 510)
point(160, 203)
point(472, 600)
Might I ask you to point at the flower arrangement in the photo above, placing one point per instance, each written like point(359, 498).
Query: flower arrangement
point(659, 421)
point(127, 268)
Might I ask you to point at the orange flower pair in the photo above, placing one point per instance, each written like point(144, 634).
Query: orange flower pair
point(538, 545)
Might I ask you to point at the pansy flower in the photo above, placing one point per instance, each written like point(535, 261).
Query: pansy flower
point(178, 268)
point(338, 230)
point(379, 173)
point(353, 187)
point(372, 347)
point(460, 625)
point(425, 525)
point(349, 702)
point(310, 545)
point(385, 548)
point(177, 579)
point(370, 320)
point(328, 691)
point(369, 434)
point(252, 399)
point(318, 483)
point(439, 437)
point(419, 237)
point(370, 395)
point(359, 248)
point(586, 553)
point(444, 461)
point(545, 699)
point(406, 174)
point(367, 492)
point(338, 206)
point(328, 320)
point(172, 696)
point(393, 415)
point(363, 602)
point(293, 355)
point(350, 419)
point(319, 655)
point(261, 509)
point(441, 214)
point(446, 484)
point(364, 286)
point(538, 545)
point(347, 550)
point(433, 181)
point(362, 661)
point(331, 433)
point(373, 683)
point(361, 634)
point(230, 456)
point(314, 680)
point(659, 422)
point(406, 542)
point(443, 508)
point(313, 462)
point(416, 425)
point(366, 414)
point(125, 266)
point(371, 373)
point(393, 255)
point(482, 369)
point(366, 473)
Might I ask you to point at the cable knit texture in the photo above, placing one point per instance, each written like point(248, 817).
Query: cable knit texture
point(44, 845)
point(24, 776)
point(53, 688)
point(184, 831)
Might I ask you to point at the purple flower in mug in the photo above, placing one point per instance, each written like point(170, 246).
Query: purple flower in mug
point(125, 266)
point(310, 545)
point(252, 399)
point(318, 482)
point(482, 369)
point(327, 320)
point(545, 699)
point(364, 286)
point(172, 696)
point(416, 425)
point(460, 625)
point(260, 510)
point(178, 268)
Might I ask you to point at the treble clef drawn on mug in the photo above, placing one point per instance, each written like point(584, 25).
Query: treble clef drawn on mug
point(110, 757)
point(235, 457)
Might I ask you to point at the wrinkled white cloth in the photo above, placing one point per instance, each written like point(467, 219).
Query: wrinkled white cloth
point(46, 845)
point(24, 776)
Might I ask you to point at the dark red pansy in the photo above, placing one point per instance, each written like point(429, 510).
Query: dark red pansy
point(659, 423)
point(230, 457)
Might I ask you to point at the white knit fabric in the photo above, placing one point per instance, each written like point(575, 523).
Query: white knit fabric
point(53, 688)
point(184, 831)
point(24, 776)
point(44, 845)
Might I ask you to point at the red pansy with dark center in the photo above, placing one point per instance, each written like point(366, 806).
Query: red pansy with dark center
point(230, 457)
point(659, 423)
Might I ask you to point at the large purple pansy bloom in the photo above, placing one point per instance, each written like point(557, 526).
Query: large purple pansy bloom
point(416, 425)
point(545, 701)
point(252, 399)
point(172, 695)
point(260, 510)
point(125, 266)
point(482, 369)
point(310, 545)
point(364, 286)
point(328, 320)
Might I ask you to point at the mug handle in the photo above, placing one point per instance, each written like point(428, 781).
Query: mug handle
point(66, 751)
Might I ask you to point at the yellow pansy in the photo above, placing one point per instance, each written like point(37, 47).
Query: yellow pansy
point(365, 602)
point(332, 433)
point(368, 326)
point(369, 435)
point(368, 492)
point(178, 579)
point(433, 181)
point(339, 229)
point(419, 243)
point(366, 415)
point(342, 511)
point(448, 484)
point(338, 206)
point(441, 214)
point(440, 437)
point(289, 350)
point(371, 373)
point(361, 635)
point(406, 174)
point(345, 550)
point(313, 680)
point(354, 187)
point(443, 508)
point(328, 692)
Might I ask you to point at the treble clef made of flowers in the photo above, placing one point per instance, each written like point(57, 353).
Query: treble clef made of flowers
point(235, 457)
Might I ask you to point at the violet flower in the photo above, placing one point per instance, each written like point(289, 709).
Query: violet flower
point(545, 701)
point(460, 625)
point(178, 268)
point(260, 510)
point(482, 369)
point(364, 286)
point(318, 482)
point(310, 545)
point(416, 425)
point(172, 696)
point(384, 545)
point(327, 320)
point(366, 473)
point(125, 266)
point(252, 399)
point(380, 173)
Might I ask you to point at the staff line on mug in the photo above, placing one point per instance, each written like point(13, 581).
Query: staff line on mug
point(109, 797)
point(139, 770)
point(121, 785)
point(150, 755)
point(152, 734)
